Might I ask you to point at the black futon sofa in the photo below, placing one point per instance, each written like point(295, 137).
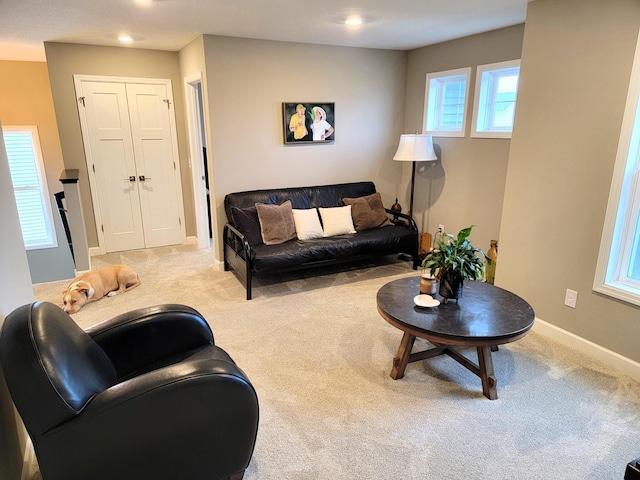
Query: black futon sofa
point(246, 254)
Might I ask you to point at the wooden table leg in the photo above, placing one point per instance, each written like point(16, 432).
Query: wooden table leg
point(487, 375)
point(401, 359)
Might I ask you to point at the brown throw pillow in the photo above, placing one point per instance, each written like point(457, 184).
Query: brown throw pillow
point(276, 223)
point(368, 212)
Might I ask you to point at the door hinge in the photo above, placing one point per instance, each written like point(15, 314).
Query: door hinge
point(93, 167)
point(102, 226)
point(179, 221)
point(174, 165)
point(168, 102)
point(81, 100)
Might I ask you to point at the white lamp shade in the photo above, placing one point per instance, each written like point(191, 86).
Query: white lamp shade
point(415, 148)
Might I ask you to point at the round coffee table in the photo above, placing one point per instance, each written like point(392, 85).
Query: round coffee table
point(484, 317)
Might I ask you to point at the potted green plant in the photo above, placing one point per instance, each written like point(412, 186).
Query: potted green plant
point(454, 260)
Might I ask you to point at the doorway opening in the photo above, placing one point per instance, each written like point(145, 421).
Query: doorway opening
point(199, 160)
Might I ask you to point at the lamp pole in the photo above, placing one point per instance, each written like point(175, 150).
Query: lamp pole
point(413, 183)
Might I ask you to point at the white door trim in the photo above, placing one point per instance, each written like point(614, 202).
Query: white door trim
point(196, 158)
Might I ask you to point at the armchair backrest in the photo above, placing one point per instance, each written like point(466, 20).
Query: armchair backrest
point(52, 367)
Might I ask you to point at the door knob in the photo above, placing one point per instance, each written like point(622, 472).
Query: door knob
point(142, 178)
point(132, 178)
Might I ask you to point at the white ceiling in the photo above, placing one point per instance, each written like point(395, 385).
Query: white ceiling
point(171, 24)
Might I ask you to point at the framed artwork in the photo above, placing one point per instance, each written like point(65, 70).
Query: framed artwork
point(308, 123)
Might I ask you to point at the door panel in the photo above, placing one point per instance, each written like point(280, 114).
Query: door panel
point(152, 141)
point(117, 191)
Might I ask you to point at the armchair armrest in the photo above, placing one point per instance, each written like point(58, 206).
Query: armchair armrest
point(155, 333)
point(207, 402)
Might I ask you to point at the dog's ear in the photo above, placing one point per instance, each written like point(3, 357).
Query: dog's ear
point(84, 291)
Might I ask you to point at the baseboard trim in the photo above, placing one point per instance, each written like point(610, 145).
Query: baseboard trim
point(219, 266)
point(93, 251)
point(609, 357)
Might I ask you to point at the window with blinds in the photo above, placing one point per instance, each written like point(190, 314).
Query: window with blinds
point(29, 186)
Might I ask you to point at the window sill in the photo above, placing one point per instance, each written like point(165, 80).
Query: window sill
point(624, 293)
point(504, 135)
point(444, 133)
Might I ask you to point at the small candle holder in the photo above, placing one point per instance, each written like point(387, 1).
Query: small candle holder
point(428, 284)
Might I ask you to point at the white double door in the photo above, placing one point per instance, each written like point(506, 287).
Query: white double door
point(129, 134)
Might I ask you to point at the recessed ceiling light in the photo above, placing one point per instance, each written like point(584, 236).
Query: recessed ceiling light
point(353, 21)
point(125, 38)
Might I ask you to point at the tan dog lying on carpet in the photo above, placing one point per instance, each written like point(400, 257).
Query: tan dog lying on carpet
point(94, 285)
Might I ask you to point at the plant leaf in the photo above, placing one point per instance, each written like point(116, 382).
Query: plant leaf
point(464, 233)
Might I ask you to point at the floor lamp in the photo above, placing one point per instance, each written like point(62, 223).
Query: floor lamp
point(415, 148)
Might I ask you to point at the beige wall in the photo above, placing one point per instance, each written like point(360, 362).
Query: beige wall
point(466, 185)
point(65, 60)
point(247, 81)
point(193, 63)
point(576, 62)
point(25, 99)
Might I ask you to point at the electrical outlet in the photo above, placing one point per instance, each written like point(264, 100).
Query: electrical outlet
point(440, 228)
point(571, 298)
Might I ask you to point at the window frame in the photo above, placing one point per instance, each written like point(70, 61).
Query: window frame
point(43, 189)
point(621, 230)
point(485, 100)
point(433, 113)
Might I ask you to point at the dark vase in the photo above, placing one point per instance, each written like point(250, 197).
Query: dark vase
point(450, 288)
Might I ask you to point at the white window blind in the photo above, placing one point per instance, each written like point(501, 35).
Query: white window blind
point(29, 186)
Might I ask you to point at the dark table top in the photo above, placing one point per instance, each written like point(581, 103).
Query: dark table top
point(484, 314)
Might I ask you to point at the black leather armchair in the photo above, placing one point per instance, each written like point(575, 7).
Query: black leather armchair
point(146, 394)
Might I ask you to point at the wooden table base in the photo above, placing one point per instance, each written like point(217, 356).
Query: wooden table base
point(484, 369)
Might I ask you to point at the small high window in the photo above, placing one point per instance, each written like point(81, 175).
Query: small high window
point(30, 186)
point(446, 102)
point(495, 99)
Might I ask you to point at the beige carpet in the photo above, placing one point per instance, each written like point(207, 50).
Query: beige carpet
point(319, 356)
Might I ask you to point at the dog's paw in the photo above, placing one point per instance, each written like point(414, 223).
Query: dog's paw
point(112, 294)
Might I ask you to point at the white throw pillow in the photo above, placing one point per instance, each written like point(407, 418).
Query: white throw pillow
point(337, 221)
point(307, 223)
